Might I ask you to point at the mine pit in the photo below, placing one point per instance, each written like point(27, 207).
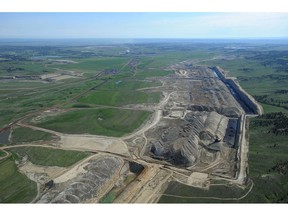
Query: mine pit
point(200, 126)
point(91, 180)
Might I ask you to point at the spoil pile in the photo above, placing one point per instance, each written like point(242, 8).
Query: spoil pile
point(179, 141)
point(100, 172)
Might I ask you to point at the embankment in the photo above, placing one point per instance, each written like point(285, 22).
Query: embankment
point(246, 100)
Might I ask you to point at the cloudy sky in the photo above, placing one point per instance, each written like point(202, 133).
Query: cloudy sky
point(143, 25)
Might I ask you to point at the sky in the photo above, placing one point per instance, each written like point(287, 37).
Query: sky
point(143, 25)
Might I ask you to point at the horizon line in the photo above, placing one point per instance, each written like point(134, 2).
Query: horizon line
point(137, 38)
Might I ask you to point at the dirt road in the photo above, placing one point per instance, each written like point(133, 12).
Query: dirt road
point(243, 153)
point(86, 142)
point(136, 186)
point(155, 119)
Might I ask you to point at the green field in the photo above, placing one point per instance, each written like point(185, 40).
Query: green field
point(24, 68)
point(24, 135)
point(164, 59)
point(14, 186)
point(122, 92)
point(109, 122)
point(24, 101)
point(93, 65)
point(152, 73)
point(50, 157)
point(270, 108)
point(2, 154)
point(267, 151)
point(215, 194)
point(128, 84)
point(108, 198)
point(119, 98)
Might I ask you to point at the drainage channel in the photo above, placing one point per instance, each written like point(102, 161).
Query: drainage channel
point(244, 105)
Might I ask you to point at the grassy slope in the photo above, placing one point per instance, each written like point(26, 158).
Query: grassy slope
point(109, 122)
point(198, 195)
point(22, 135)
point(14, 186)
point(122, 92)
point(2, 153)
point(50, 157)
point(265, 150)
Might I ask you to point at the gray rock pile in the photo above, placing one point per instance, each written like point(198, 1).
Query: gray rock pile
point(88, 185)
point(179, 141)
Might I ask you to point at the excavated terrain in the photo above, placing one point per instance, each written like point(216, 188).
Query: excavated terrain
point(91, 181)
point(199, 124)
point(199, 89)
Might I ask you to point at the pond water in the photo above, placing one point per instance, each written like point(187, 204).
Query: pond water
point(4, 136)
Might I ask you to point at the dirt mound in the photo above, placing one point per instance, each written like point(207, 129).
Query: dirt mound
point(179, 141)
point(100, 172)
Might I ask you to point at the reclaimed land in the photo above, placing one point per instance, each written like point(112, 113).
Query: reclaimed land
point(108, 121)
point(25, 135)
point(50, 157)
point(120, 98)
point(14, 186)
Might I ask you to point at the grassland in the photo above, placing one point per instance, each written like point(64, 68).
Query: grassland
point(2, 154)
point(14, 186)
point(29, 99)
point(109, 122)
point(128, 84)
point(215, 194)
point(24, 135)
point(266, 151)
point(270, 108)
point(120, 98)
point(24, 68)
point(122, 92)
point(164, 59)
point(152, 73)
point(50, 157)
point(93, 65)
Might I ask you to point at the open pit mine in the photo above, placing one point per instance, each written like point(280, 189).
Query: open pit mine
point(197, 132)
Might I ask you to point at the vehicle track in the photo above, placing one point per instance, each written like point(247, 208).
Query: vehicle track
point(216, 198)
